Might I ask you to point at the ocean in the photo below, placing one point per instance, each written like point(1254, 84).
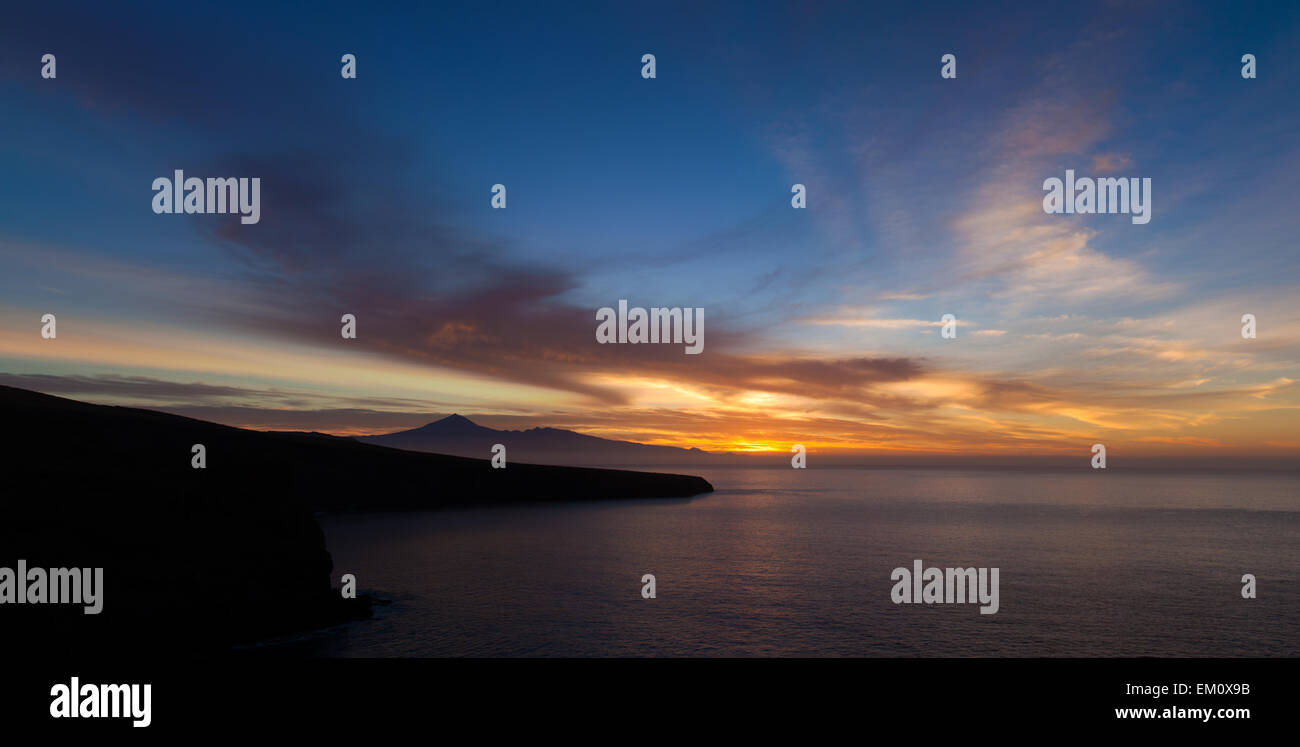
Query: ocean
point(784, 562)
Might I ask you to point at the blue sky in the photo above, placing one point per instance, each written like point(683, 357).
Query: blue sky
point(673, 191)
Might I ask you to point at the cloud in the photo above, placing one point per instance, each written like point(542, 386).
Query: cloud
point(1110, 163)
point(842, 321)
point(136, 387)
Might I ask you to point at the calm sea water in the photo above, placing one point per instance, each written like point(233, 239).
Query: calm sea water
point(797, 563)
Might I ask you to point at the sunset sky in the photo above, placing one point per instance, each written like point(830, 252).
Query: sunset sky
point(821, 325)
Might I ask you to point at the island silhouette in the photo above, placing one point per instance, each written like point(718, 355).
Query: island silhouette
point(458, 435)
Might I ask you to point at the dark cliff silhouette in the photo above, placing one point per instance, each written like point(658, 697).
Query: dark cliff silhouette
point(461, 436)
point(198, 559)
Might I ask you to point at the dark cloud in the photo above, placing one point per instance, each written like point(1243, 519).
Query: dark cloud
point(175, 396)
point(137, 387)
point(351, 231)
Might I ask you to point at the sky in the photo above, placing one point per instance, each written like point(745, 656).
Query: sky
point(822, 325)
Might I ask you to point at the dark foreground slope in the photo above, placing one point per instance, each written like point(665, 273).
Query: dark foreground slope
point(197, 559)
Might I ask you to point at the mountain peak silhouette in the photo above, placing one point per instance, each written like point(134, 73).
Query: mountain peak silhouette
point(452, 425)
point(458, 435)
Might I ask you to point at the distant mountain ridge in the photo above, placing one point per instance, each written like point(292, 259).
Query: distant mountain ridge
point(459, 436)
